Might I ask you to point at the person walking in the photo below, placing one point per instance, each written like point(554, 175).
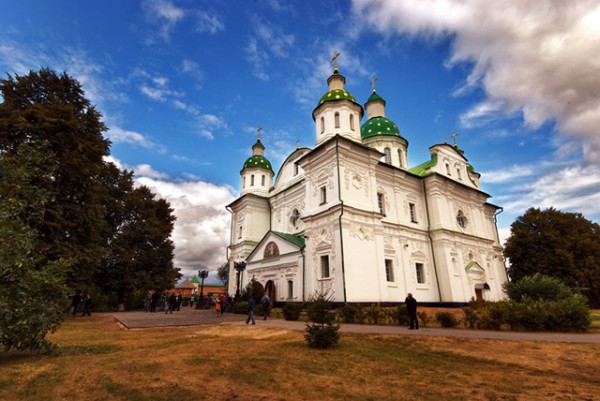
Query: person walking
point(75, 300)
point(148, 301)
point(163, 301)
point(179, 301)
point(251, 307)
point(172, 301)
point(411, 305)
point(154, 301)
point(222, 301)
point(265, 305)
point(87, 305)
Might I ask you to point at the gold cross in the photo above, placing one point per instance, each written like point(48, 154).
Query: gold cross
point(336, 54)
point(373, 80)
point(258, 132)
point(453, 136)
point(297, 143)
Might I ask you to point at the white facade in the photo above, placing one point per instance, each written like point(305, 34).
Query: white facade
point(349, 218)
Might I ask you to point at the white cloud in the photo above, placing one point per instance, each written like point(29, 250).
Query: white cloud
point(160, 93)
point(145, 170)
point(268, 41)
point(201, 231)
point(165, 14)
point(120, 135)
point(507, 175)
point(208, 22)
point(538, 57)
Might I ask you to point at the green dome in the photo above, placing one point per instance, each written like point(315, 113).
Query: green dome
point(336, 94)
point(378, 126)
point(258, 161)
point(374, 96)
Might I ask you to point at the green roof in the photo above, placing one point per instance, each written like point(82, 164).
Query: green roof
point(258, 161)
point(378, 126)
point(337, 94)
point(294, 239)
point(421, 169)
point(194, 280)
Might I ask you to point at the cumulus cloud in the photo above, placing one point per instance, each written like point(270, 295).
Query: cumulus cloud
point(536, 57)
point(165, 14)
point(201, 231)
point(120, 135)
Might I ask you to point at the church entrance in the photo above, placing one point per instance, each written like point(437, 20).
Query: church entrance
point(270, 290)
point(478, 294)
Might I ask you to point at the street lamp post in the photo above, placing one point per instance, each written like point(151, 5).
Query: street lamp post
point(239, 268)
point(202, 274)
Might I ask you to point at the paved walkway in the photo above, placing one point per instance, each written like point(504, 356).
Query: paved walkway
point(193, 317)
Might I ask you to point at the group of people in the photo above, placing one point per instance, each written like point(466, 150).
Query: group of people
point(85, 301)
point(163, 302)
point(266, 303)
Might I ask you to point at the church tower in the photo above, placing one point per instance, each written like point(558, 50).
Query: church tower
point(257, 174)
point(382, 134)
point(337, 112)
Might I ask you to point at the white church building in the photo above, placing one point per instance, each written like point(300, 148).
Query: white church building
point(350, 218)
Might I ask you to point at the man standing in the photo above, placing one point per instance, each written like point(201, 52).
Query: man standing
point(75, 302)
point(87, 305)
point(265, 305)
point(251, 306)
point(411, 305)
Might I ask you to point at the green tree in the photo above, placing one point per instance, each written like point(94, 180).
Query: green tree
point(223, 274)
point(32, 293)
point(323, 332)
point(561, 245)
point(140, 254)
point(50, 109)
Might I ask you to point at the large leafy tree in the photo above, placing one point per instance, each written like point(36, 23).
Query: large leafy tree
point(32, 292)
point(47, 108)
point(140, 253)
point(561, 245)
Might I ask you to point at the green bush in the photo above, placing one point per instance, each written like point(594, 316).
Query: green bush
point(402, 315)
point(292, 310)
point(424, 318)
point(323, 333)
point(537, 287)
point(373, 314)
point(241, 308)
point(446, 319)
point(570, 314)
point(350, 314)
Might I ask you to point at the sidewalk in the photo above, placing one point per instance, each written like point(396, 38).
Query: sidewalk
point(192, 317)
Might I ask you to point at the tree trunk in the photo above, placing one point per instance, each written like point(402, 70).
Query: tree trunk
point(121, 300)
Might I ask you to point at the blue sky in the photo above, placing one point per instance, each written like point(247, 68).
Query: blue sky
point(183, 85)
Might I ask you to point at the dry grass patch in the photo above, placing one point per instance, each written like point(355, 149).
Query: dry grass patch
point(102, 361)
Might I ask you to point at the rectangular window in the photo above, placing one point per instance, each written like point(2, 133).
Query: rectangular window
point(252, 180)
point(413, 213)
point(389, 270)
point(325, 266)
point(241, 230)
point(323, 195)
point(244, 182)
point(290, 285)
point(400, 163)
point(458, 173)
point(296, 169)
point(420, 273)
point(262, 180)
point(381, 203)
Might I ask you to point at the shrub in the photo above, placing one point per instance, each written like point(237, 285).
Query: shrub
point(241, 308)
point(537, 287)
point(373, 314)
point(323, 333)
point(402, 315)
point(292, 310)
point(424, 318)
point(446, 319)
point(350, 313)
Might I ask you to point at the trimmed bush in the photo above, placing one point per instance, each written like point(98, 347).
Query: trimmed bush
point(350, 314)
point(424, 318)
point(446, 319)
point(537, 287)
point(402, 315)
point(373, 314)
point(241, 308)
point(292, 310)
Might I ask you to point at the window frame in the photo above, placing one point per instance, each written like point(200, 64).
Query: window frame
point(412, 208)
point(389, 271)
point(324, 267)
point(322, 195)
point(420, 273)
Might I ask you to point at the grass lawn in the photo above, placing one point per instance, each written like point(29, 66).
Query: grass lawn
point(103, 361)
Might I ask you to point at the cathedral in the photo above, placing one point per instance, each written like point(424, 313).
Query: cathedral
point(350, 218)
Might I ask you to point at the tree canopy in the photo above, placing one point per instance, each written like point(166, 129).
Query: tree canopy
point(558, 244)
point(68, 218)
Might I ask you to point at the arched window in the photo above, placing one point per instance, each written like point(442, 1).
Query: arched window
point(352, 122)
point(271, 250)
point(252, 180)
point(244, 182)
point(336, 117)
point(322, 124)
point(400, 158)
point(262, 180)
point(388, 155)
point(461, 219)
